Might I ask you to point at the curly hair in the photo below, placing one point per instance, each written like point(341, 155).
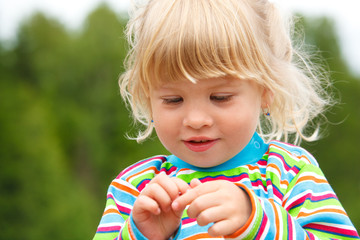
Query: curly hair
point(186, 40)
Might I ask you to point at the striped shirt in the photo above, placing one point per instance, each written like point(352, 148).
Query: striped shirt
point(290, 197)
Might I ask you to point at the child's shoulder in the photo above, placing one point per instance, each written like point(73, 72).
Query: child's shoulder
point(149, 164)
point(291, 154)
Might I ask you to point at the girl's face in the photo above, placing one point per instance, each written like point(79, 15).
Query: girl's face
point(207, 123)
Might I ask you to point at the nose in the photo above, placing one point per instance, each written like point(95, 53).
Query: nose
point(197, 117)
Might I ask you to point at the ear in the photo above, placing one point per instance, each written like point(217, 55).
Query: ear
point(267, 98)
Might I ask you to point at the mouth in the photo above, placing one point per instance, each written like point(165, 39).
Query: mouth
point(200, 144)
point(199, 141)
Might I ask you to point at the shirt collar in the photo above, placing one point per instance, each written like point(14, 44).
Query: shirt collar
point(252, 153)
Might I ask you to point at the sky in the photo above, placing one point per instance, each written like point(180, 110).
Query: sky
point(72, 12)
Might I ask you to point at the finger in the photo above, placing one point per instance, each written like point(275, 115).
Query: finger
point(223, 228)
point(167, 184)
point(158, 194)
point(211, 214)
point(182, 186)
point(195, 182)
point(182, 201)
point(144, 205)
point(203, 202)
point(194, 193)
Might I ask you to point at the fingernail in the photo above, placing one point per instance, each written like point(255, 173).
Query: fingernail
point(175, 205)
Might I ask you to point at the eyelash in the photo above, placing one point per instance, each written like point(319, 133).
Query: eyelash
point(221, 98)
point(216, 98)
point(172, 100)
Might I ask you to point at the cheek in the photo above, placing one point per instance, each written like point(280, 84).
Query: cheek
point(166, 126)
point(167, 135)
point(245, 120)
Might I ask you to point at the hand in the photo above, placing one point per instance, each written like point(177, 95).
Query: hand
point(152, 212)
point(219, 202)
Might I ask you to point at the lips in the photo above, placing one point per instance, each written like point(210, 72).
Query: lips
point(200, 144)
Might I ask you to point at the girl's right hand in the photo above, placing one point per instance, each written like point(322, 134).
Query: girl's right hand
point(152, 212)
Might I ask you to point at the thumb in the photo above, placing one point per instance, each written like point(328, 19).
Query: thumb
point(179, 204)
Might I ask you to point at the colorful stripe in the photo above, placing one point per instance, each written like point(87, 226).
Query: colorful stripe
point(290, 197)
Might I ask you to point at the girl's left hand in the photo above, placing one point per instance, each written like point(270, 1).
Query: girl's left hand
point(219, 202)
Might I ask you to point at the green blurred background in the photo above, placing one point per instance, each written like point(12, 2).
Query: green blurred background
point(62, 124)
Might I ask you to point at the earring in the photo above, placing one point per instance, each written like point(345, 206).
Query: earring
point(152, 121)
point(266, 111)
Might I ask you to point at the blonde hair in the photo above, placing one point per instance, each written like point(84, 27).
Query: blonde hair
point(174, 40)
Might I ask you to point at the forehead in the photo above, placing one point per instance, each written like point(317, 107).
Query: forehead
point(191, 41)
point(227, 82)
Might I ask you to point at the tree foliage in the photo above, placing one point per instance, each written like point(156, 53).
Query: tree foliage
point(62, 124)
point(337, 151)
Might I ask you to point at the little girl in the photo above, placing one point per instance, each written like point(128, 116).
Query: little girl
point(217, 80)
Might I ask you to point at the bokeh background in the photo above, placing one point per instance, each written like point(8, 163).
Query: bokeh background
point(63, 123)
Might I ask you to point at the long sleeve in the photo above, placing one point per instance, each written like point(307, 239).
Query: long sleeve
point(116, 222)
point(290, 197)
point(299, 204)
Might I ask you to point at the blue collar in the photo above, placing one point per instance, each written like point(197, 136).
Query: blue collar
point(252, 153)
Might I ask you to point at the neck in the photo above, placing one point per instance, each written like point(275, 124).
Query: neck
point(252, 153)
